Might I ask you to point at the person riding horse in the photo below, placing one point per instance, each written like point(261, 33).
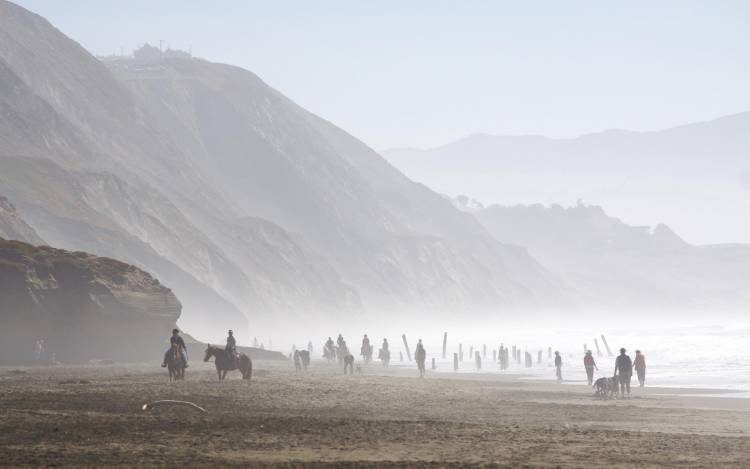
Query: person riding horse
point(177, 341)
point(231, 349)
point(366, 349)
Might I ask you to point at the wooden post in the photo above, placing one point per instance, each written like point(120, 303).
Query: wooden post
point(461, 352)
point(401, 356)
point(539, 358)
point(584, 349)
point(471, 351)
point(606, 345)
point(514, 353)
point(433, 363)
point(478, 360)
point(549, 352)
point(445, 343)
point(598, 350)
point(494, 355)
point(455, 362)
point(484, 350)
point(406, 346)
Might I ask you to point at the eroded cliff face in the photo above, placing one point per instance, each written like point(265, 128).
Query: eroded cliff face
point(83, 306)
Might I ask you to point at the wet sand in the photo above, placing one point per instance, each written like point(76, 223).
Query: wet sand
point(91, 415)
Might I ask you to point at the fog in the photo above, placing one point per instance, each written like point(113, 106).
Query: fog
point(244, 210)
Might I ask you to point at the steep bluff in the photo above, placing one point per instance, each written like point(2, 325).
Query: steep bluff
point(81, 305)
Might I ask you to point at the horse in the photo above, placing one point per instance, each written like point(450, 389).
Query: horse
point(366, 352)
point(385, 356)
point(175, 364)
point(242, 363)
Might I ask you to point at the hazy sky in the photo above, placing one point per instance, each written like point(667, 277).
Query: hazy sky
point(422, 73)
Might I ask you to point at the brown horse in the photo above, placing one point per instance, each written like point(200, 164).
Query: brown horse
point(175, 365)
point(221, 360)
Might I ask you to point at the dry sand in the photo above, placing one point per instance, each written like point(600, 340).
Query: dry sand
point(91, 415)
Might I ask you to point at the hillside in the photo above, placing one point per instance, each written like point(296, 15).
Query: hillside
point(692, 177)
point(612, 265)
point(245, 204)
point(83, 306)
point(14, 227)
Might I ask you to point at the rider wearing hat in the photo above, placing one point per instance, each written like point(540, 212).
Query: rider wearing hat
point(177, 340)
point(231, 347)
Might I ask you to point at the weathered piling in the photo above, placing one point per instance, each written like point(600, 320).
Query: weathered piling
point(484, 350)
point(471, 351)
point(539, 358)
point(455, 362)
point(494, 355)
point(598, 350)
point(433, 364)
point(478, 360)
point(460, 352)
point(401, 356)
point(606, 345)
point(445, 343)
point(406, 346)
point(549, 352)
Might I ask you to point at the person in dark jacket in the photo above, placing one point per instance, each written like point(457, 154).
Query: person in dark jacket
point(624, 371)
point(558, 366)
point(180, 343)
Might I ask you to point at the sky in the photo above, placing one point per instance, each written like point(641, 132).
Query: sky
point(424, 73)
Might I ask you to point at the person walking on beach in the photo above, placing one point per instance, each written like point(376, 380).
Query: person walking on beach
point(558, 366)
point(639, 364)
point(420, 355)
point(590, 365)
point(624, 370)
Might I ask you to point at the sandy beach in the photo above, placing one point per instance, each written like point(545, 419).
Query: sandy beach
point(91, 415)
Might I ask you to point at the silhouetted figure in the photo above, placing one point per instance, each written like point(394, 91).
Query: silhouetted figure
point(297, 361)
point(420, 355)
point(329, 352)
point(349, 363)
point(624, 371)
point(558, 366)
point(384, 355)
point(366, 349)
point(339, 340)
point(590, 365)
point(639, 364)
point(231, 348)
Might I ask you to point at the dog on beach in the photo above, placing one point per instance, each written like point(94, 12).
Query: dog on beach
point(606, 387)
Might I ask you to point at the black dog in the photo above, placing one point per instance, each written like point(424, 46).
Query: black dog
point(606, 387)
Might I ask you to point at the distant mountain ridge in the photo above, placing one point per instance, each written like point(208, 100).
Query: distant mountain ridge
point(694, 176)
point(616, 267)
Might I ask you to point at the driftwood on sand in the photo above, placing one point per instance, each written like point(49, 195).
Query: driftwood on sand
point(172, 402)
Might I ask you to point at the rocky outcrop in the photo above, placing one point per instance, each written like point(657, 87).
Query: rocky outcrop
point(13, 227)
point(83, 306)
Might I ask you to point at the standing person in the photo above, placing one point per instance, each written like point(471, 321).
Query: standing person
point(590, 365)
point(339, 340)
point(639, 364)
point(624, 368)
point(420, 355)
point(558, 366)
point(231, 348)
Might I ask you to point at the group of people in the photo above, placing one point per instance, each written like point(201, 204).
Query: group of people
point(624, 367)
